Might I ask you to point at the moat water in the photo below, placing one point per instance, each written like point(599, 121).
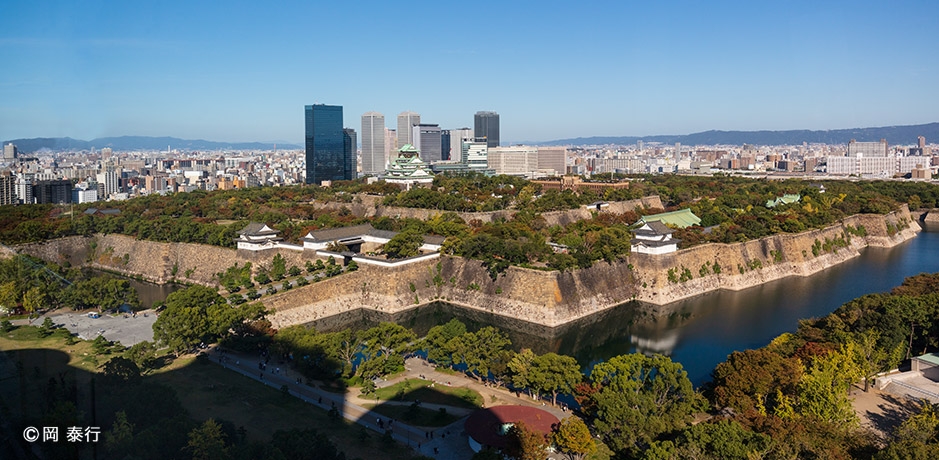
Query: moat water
point(148, 293)
point(703, 330)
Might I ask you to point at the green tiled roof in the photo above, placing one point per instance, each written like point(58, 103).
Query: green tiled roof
point(785, 199)
point(681, 218)
point(930, 358)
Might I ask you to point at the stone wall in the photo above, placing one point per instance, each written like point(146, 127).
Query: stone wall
point(548, 298)
point(155, 261)
point(751, 263)
point(552, 298)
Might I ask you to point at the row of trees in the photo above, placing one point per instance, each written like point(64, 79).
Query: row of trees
point(32, 284)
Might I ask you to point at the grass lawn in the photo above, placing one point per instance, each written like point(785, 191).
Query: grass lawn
point(206, 391)
point(415, 416)
point(417, 389)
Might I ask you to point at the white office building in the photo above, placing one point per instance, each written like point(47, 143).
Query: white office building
point(373, 144)
point(405, 121)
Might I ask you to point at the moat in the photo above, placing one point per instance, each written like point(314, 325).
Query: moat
point(703, 330)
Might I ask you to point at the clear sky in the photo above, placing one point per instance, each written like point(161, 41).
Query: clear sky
point(242, 71)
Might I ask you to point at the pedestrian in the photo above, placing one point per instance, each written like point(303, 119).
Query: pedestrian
point(262, 376)
point(321, 400)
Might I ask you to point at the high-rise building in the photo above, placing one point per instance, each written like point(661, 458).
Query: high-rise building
point(475, 154)
point(108, 183)
point(53, 191)
point(9, 152)
point(405, 121)
point(373, 143)
point(350, 144)
point(487, 125)
point(922, 143)
point(391, 140)
point(445, 144)
point(24, 191)
point(426, 138)
point(457, 138)
point(328, 157)
point(7, 189)
point(867, 149)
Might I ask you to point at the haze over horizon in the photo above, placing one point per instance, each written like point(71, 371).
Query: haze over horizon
point(242, 73)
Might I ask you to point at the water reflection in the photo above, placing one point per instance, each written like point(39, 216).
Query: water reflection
point(148, 293)
point(698, 332)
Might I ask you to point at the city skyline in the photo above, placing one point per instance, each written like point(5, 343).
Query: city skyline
point(176, 69)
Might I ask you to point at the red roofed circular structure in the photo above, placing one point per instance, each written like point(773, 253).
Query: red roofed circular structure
point(488, 427)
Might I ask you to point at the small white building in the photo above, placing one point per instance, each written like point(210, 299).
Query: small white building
point(654, 238)
point(257, 237)
point(357, 236)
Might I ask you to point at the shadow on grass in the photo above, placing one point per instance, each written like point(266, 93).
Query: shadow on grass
point(40, 388)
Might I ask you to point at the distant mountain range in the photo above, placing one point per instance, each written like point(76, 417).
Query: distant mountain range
point(137, 143)
point(893, 134)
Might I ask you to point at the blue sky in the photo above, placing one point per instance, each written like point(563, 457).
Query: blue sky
point(242, 71)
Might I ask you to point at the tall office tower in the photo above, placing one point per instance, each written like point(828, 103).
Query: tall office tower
point(391, 139)
point(7, 189)
point(922, 143)
point(867, 149)
point(350, 144)
point(677, 150)
point(554, 158)
point(327, 153)
point(9, 152)
point(108, 183)
point(373, 143)
point(445, 144)
point(53, 191)
point(405, 121)
point(24, 191)
point(426, 138)
point(106, 153)
point(457, 137)
point(487, 125)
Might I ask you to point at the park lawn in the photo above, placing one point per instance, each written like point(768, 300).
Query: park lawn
point(27, 341)
point(414, 416)
point(211, 391)
point(417, 389)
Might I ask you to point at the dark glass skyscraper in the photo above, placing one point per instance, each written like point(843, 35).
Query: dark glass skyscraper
point(445, 144)
point(328, 155)
point(487, 125)
point(350, 145)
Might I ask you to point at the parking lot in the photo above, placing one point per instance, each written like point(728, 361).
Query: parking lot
point(127, 329)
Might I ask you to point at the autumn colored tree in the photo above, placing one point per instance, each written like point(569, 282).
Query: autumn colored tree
point(523, 443)
point(572, 437)
point(748, 377)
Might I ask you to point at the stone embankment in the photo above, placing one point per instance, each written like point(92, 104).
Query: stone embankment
point(370, 206)
point(548, 298)
point(552, 298)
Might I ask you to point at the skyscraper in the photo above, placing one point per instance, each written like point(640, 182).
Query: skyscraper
point(405, 121)
point(922, 143)
point(457, 137)
point(426, 138)
point(373, 143)
point(391, 139)
point(9, 152)
point(445, 144)
point(487, 125)
point(350, 147)
point(328, 156)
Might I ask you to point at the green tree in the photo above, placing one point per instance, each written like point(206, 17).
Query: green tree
point(872, 358)
point(437, 341)
point(639, 398)
point(32, 300)
point(823, 390)
point(404, 244)
point(143, 354)
point(192, 315)
point(278, 267)
point(573, 438)
point(385, 345)
point(520, 370)
point(552, 373)
point(207, 442)
point(478, 349)
point(720, 440)
point(121, 369)
point(118, 441)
